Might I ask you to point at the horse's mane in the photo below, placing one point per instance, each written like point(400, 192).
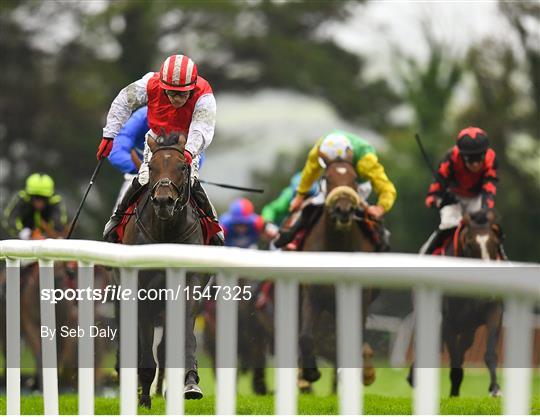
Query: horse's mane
point(169, 139)
point(480, 218)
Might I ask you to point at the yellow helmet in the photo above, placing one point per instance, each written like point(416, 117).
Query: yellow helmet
point(40, 185)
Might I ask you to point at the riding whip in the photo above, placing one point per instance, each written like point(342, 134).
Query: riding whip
point(427, 160)
point(234, 187)
point(94, 175)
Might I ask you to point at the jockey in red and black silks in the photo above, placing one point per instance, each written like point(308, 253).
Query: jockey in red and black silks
point(466, 182)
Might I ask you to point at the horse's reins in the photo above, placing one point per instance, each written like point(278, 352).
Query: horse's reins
point(360, 201)
point(166, 182)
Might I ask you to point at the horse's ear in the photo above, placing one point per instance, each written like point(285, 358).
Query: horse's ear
point(182, 139)
point(491, 216)
point(466, 219)
point(152, 143)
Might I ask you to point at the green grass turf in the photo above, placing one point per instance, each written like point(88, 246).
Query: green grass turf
point(390, 394)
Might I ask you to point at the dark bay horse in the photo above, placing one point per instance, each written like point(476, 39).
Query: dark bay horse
point(165, 215)
point(255, 336)
point(478, 236)
point(337, 230)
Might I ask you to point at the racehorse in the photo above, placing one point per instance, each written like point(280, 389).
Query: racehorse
point(340, 227)
point(66, 315)
point(255, 337)
point(477, 236)
point(165, 214)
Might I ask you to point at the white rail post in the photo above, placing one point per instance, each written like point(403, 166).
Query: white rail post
point(128, 343)
point(13, 337)
point(286, 319)
point(86, 343)
point(226, 345)
point(48, 343)
point(518, 356)
point(427, 307)
point(349, 330)
point(175, 347)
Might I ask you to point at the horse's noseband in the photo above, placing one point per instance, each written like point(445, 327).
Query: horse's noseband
point(166, 182)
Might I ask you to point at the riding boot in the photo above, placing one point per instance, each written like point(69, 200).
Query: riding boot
point(287, 235)
point(436, 239)
point(502, 252)
point(130, 196)
point(202, 200)
point(384, 244)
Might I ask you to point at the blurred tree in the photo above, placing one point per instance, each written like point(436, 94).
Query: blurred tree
point(56, 91)
point(428, 89)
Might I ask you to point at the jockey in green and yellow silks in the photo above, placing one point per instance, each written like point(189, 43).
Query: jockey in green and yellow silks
point(339, 145)
point(36, 211)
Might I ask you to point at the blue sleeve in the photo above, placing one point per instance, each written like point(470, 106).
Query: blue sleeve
point(132, 135)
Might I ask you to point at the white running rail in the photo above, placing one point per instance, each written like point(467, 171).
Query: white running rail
point(428, 277)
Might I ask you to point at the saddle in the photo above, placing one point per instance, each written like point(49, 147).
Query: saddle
point(209, 227)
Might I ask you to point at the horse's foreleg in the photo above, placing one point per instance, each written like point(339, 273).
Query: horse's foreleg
point(457, 351)
point(147, 365)
point(161, 361)
point(308, 362)
point(493, 326)
point(192, 390)
point(368, 370)
point(410, 376)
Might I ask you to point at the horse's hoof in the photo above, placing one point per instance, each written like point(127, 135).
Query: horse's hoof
point(304, 386)
point(192, 392)
point(259, 388)
point(495, 391)
point(368, 376)
point(311, 374)
point(145, 401)
point(410, 380)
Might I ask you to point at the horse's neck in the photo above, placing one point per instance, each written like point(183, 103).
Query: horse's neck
point(168, 231)
point(352, 240)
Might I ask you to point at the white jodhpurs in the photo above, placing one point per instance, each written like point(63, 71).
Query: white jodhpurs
point(452, 214)
point(128, 179)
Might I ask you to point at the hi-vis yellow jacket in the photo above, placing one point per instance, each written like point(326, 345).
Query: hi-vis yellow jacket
point(367, 166)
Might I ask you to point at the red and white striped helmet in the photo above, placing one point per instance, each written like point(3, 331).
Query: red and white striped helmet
point(179, 73)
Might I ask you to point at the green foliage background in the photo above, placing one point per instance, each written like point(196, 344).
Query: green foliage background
point(53, 101)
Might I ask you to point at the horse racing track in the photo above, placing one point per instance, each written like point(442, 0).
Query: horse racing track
point(431, 281)
point(389, 395)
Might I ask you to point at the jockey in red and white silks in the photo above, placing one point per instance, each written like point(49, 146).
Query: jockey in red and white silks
point(178, 100)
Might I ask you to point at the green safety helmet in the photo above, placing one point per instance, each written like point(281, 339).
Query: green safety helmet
point(40, 185)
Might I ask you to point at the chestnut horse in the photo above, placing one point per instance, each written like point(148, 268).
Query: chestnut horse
point(338, 229)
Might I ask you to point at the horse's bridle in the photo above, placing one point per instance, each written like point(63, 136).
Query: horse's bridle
point(166, 182)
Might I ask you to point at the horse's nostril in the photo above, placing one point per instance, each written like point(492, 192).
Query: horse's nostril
point(170, 201)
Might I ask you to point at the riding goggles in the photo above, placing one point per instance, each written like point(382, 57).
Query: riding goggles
point(474, 157)
point(174, 93)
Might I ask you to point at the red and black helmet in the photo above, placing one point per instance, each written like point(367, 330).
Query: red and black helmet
point(472, 141)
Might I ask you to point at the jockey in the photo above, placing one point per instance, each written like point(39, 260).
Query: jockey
point(465, 183)
point(336, 146)
point(241, 226)
point(178, 100)
point(277, 210)
point(36, 210)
